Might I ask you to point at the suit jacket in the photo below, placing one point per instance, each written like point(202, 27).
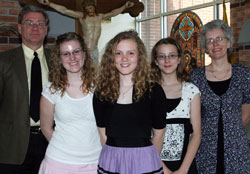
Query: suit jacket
point(14, 106)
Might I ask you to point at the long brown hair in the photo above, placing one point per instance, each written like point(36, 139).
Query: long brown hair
point(58, 74)
point(182, 74)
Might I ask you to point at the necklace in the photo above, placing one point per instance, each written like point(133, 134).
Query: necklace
point(123, 94)
point(222, 78)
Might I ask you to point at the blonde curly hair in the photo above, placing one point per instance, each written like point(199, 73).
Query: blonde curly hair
point(108, 77)
point(58, 74)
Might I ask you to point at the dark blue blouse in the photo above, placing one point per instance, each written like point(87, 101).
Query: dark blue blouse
point(236, 147)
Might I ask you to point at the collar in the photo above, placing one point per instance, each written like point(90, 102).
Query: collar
point(29, 53)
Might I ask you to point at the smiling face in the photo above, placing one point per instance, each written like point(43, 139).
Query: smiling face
point(167, 58)
point(218, 48)
point(72, 56)
point(33, 35)
point(126, 57)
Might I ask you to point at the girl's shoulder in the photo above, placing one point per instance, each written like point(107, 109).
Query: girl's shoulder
point(156, 87)
point(48, 89)
point(155, 90)
point(189, 87)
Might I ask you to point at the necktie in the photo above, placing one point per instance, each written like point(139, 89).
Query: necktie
point(35, 88)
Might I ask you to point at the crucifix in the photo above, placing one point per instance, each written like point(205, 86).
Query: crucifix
point(90, 13)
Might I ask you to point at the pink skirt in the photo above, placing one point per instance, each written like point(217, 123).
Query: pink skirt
point(50, 166)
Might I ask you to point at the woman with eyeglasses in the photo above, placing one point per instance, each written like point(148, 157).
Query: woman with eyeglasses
point(225, 105)
point(182, 108)
point(67, 117)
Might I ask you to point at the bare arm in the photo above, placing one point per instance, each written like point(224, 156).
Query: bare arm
point(47, 117)
point(245, 113)
point(118, 11)
point(195, 112)
point(157, 140)
point(166, 169)
point(158, 137)
point(102, 135)
point(62, 9)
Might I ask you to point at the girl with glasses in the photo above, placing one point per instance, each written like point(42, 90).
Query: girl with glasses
point(67, 117)
point(181, 106)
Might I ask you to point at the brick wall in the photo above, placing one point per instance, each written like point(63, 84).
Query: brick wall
point(8, 15)
point(151, 30)
point(240, 11)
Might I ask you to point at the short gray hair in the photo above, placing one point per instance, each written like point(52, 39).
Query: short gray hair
point(30, 8)
point(217, 24)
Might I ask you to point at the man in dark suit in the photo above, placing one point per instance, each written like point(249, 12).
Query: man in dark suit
point(22, 145)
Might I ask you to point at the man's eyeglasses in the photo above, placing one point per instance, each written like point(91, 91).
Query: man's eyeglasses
point(218, 39)
point(31, 24)
point(170, 56)
point(76, 52)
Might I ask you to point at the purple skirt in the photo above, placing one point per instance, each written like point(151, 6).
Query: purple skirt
point(129, 160)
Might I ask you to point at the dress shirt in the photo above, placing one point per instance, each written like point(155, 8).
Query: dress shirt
point(29, 56)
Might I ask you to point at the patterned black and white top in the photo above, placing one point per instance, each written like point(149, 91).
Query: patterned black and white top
point(236, 148)
point(178, 127)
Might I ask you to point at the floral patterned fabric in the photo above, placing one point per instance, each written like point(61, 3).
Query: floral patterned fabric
point(178, 124)
point(236, 147)
point(178, 129)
